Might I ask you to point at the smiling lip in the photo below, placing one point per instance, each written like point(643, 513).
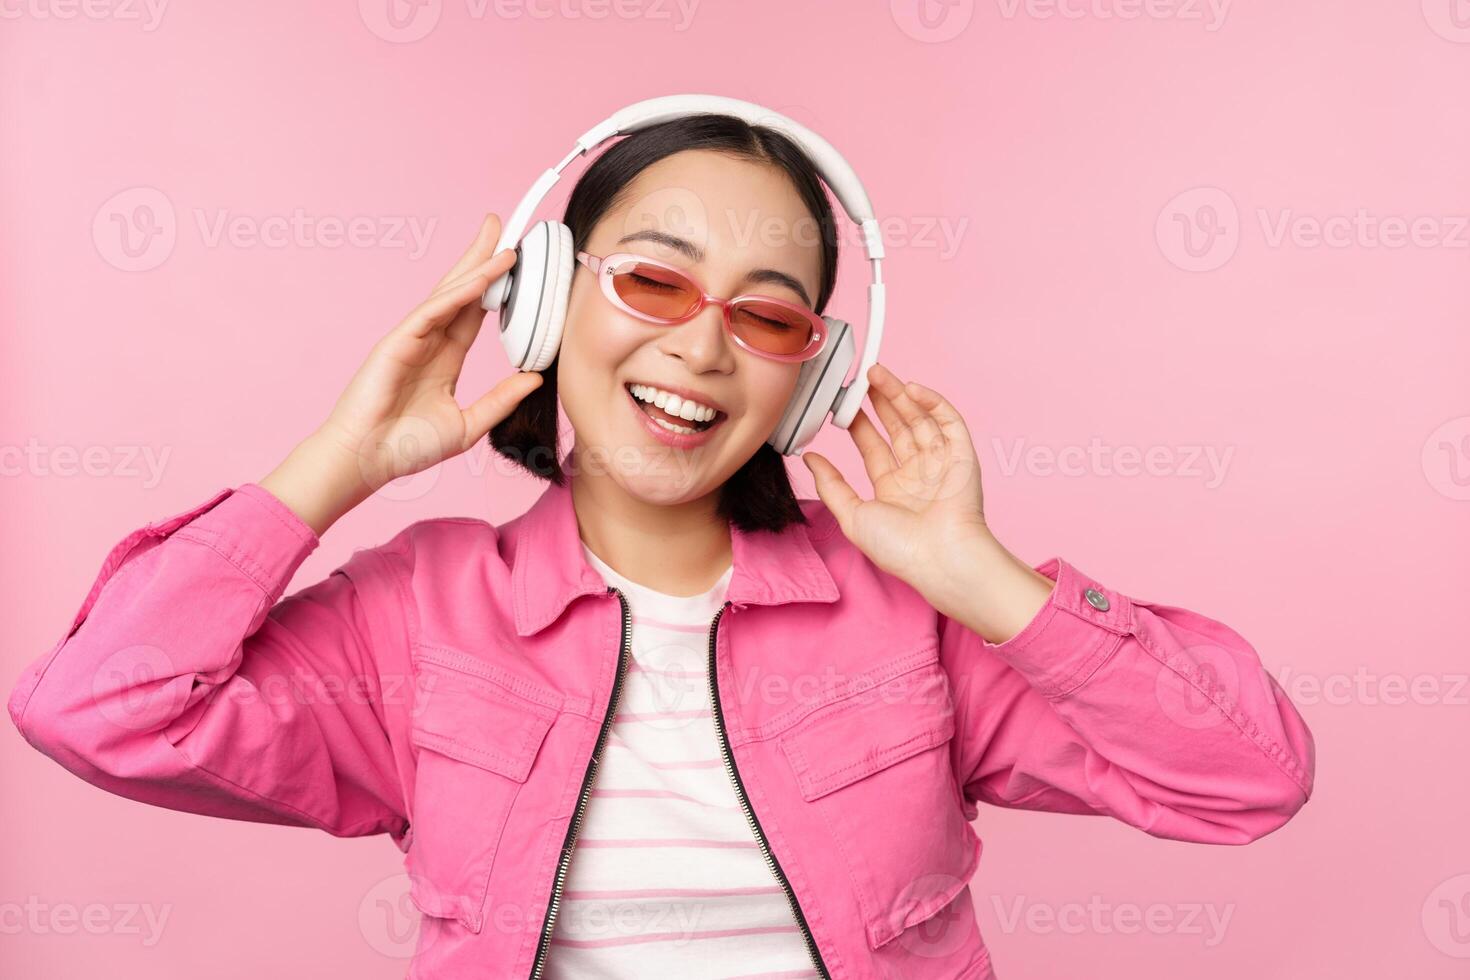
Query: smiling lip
point(684, 393)
point(676, 440)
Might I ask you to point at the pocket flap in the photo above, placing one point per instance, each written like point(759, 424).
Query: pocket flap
point(476, 720)
point(871, 730)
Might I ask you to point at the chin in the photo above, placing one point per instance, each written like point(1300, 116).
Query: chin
point(666, 486)
point(662, 476)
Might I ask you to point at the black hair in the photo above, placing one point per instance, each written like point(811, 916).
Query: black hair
point(757, 496)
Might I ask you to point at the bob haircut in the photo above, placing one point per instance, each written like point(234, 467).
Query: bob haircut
point(758, 496)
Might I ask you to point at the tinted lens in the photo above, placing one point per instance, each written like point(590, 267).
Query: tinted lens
point(771, 328)
point(655, 291)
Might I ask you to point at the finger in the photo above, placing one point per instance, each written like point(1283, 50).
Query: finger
point(465, 326)
point(491, 408)
point(496, 264)
point(877, 456)
point(893, 424)
point(440, 308)
point(943, 413)
point(921, 425)
point(840, 498)
point(479, 250)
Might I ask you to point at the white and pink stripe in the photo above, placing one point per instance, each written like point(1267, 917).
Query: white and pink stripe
point(667, 879)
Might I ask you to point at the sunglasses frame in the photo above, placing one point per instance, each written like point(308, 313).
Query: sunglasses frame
point(603, 267)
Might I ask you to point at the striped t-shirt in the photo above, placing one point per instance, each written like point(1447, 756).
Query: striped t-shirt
point(666, 879)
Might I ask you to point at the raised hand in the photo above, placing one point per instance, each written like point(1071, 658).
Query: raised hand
point(926, 521)
point(398, 415)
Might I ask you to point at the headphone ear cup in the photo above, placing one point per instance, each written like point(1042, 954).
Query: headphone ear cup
point(817, 388)
point(534, 312)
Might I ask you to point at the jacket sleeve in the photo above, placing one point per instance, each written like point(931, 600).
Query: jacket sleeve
point(183, 682)
point(1155, 715)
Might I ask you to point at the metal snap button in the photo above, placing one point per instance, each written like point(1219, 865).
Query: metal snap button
point(1097, 600)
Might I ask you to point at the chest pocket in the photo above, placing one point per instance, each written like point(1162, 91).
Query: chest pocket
point(877, 764)
point(476, 742)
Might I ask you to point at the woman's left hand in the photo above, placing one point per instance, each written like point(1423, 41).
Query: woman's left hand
point(926, 522)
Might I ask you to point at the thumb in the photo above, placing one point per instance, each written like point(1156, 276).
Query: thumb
point(494, 405)
point(841, 499)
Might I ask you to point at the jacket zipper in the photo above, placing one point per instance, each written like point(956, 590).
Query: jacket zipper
point(755, 826)
point(588, 777)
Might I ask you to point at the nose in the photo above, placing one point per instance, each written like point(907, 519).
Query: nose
point(700, 342)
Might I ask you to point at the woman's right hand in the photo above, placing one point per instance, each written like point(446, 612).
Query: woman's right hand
point(398, 414)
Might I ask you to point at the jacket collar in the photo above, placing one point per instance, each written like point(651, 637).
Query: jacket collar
point(549, 569)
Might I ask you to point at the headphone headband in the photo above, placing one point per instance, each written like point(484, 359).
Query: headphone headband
point(834, 169)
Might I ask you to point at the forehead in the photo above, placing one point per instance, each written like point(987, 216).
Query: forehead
point(744, 214)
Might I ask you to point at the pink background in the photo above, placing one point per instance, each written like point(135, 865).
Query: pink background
point(1066, 150)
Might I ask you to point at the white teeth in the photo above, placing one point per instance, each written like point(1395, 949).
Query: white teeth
point(673, 404)
point(681, 429)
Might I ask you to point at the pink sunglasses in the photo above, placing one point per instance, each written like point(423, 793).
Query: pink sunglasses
point(660, 293)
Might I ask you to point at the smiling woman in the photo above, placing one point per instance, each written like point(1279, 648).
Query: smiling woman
point(671, 721)
point(684, 194)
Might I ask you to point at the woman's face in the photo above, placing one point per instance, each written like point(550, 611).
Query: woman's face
point(728, 224)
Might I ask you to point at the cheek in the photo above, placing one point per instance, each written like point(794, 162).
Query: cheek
point(596, 343)
point(769, 391)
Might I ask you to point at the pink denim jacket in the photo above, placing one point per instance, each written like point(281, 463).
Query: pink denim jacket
point(453, 688)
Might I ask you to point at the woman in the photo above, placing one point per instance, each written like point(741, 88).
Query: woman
point(673, 720)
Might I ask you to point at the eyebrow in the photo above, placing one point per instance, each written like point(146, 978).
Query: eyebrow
point(696, 254)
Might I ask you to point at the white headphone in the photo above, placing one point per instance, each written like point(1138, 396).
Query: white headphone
point(531, 331)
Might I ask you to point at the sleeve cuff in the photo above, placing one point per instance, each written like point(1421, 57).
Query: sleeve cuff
point(1071, 635)
point(251, 528)
point(246, 524)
